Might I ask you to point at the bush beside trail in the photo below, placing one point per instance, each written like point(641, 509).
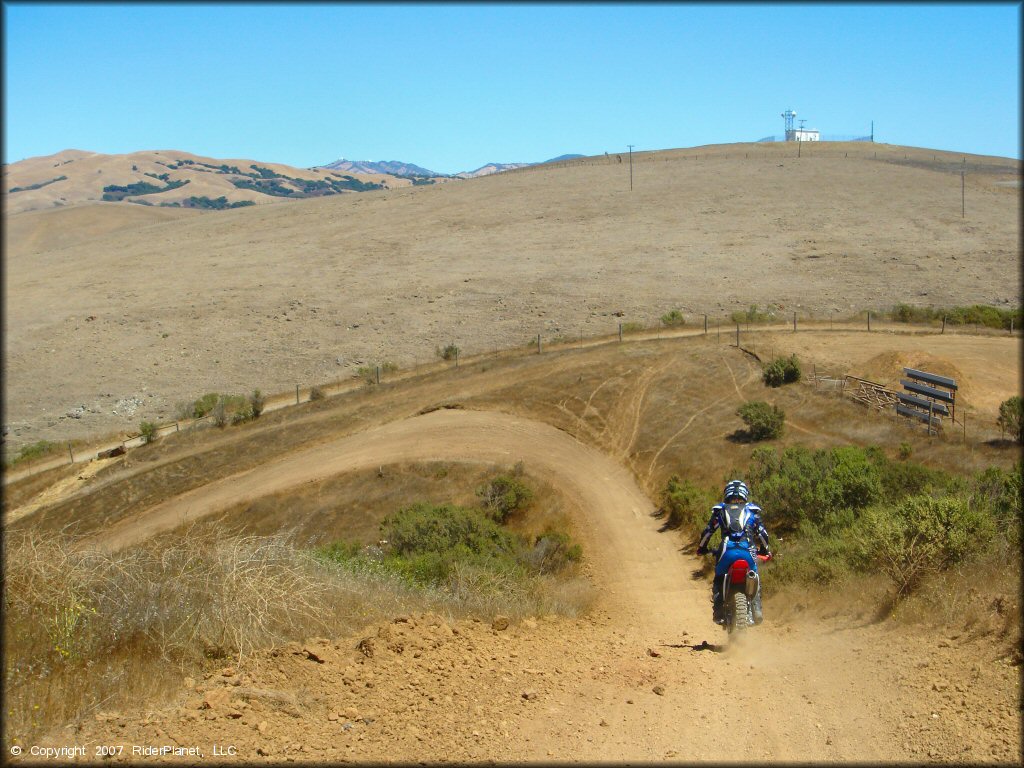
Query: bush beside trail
point(852, 511)
point(764, 421)
point(782, 370)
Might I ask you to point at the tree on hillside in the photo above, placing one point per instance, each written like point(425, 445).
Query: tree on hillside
point(1011, 417)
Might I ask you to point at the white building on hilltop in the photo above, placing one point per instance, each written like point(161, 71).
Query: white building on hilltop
point(801, 133)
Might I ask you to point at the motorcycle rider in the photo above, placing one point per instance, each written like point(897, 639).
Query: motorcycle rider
point(740, 522)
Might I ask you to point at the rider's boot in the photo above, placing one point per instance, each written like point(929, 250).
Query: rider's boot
point(718, 611)
point(756, 605)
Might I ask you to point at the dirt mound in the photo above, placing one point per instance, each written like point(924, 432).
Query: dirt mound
point(887, 368)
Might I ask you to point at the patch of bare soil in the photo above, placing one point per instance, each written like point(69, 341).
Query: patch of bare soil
point(426, 688)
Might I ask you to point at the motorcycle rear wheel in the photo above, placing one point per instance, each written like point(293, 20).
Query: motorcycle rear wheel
point(738, 619)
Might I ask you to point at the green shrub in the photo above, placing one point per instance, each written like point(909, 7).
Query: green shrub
point(764, 421)
point(256, 403)
point(553, 552)
point(367, 373)
point(1000, 492)
point(752, 316)
point(782, 370)
point(826, 487)
point(503, 496)
point(986, 316)
point(205, 404)
point(1011, 417)
point(432, 539)
point(35, 451)
point(905, 450)
point(904, 478)
point(632, 327)
point(685, 504)
point(148, 431)
point(673, 319)
point(819, 558)
point(223, 409)
point(976, 314)
point(448, 353)
point(219, 413)
point(921, 535)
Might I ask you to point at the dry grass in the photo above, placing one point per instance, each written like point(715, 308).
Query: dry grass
point(981, 599)
point(85, 629)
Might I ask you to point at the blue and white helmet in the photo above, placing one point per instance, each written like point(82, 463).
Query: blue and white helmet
point(736, 488)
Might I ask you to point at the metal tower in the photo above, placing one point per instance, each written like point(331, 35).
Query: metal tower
point(789, 114)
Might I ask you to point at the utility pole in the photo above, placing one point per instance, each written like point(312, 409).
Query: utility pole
point(963, 199)
point(630, 166)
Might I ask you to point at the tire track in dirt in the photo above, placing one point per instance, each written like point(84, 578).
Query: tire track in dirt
point(654, 460)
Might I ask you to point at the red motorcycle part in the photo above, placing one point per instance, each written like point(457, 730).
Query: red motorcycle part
point(738, 571)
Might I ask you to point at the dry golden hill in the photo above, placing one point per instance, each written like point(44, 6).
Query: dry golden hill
point(73, 177)
point(112, 320)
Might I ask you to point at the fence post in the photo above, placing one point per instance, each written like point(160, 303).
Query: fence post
point(175, 426)
point(706, 325)
point(1011, 326)
point(296, 394)
point(378, 367)
point(620, 332)
point(737, 334)
point(869, 319)
point(943, 324)
point(581, 338)
point(931, 406)
point(538, 343)
point(71, 454)
point(794, 322)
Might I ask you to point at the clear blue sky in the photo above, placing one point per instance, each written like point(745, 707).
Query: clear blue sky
point(452, 87)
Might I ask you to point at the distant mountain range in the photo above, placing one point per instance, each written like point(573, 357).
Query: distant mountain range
point(390, 167)
point(410, 170)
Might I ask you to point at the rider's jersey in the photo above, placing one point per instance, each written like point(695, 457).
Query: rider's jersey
point(740, 524)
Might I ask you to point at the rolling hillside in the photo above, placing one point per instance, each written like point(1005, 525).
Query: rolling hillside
point(168, 178)
point(106, 308)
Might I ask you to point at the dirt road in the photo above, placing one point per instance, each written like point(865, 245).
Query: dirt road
point(646, 677)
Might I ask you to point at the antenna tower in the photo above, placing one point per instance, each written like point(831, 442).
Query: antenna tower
point(788, 115)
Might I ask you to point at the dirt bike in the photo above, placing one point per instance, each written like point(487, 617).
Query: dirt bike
point(740, 584)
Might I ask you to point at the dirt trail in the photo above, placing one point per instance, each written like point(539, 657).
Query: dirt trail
point(645, 677)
